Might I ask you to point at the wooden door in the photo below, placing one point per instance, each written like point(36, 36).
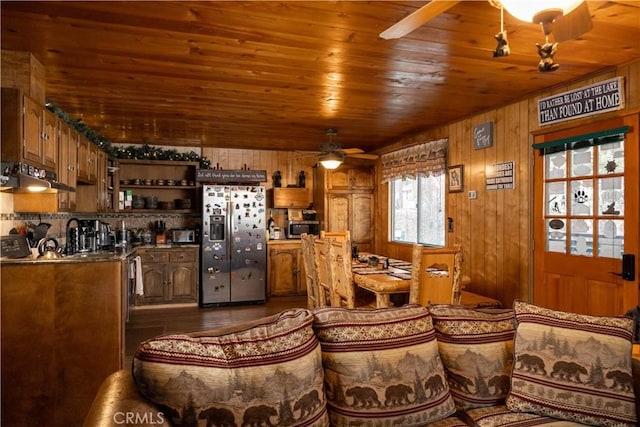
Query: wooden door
point(49, 140)
point(362, 220)
point(339, 210)
point(283, 274)
point(32, 146)
point(586, 216)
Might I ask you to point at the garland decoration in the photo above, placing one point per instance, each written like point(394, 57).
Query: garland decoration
point(144, 152)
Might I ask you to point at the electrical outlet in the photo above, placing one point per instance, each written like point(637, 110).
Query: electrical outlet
point(473, 194)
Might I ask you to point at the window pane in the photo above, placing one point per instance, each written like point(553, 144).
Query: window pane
point(582, 161)
point(431, 212)
point(610, 238)
point(582, 199)
point(556, 236)
point(611, 195)
point(405, 210)
point(418, 211)
point(582, 237)
point(611, 158)
point(556, 199)
point(556, 165)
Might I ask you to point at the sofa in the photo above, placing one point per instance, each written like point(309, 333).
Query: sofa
point(443, 366)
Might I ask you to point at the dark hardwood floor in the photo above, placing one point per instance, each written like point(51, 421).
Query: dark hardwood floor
point(151, 322)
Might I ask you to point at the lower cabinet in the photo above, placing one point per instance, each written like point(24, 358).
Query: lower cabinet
point(169, 275)
point(285, 268)
point(62, 335)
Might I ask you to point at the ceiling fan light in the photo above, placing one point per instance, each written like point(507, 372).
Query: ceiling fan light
point(331, 160)
point(540, 10)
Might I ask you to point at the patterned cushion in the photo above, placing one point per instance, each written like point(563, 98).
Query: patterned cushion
point(501, 416)
point(382, 367)
point(573, 367)
point(267, 372)
point(476, 346)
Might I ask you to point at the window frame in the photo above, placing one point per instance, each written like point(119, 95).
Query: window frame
point(418, 202)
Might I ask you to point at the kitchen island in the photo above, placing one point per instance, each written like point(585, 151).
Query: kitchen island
point(62, 334)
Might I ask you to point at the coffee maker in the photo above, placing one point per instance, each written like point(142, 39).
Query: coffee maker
point(83, 237)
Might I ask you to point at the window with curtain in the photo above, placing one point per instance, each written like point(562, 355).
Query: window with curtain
point(416, 177)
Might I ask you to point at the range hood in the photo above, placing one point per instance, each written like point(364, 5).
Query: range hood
point(22, 177)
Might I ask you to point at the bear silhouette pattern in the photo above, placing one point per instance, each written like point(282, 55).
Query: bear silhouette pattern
point(532, 363)
point(397, 394)
point(218, 417)
point(621, 380)
point(434, 385)
point(500, 384)
point(258, 416)
point(307, 403)
point(568, 371)
point(363, 397)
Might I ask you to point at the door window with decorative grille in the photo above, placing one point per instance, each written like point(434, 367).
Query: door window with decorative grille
point(584, 197)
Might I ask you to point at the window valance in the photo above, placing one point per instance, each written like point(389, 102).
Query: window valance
point(429, 158)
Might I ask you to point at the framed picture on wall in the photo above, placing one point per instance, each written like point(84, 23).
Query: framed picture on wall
point(456, 178)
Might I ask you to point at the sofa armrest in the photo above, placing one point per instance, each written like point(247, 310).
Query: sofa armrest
point(118, 402)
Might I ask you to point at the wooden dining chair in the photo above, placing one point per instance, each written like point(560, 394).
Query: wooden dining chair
point(435, 275)
point(323, 269)
point(315, 296)
point(336, 235)
point(344, 291)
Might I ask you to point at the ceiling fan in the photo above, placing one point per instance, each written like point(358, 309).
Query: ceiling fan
point(331, 154)
point(568, 19)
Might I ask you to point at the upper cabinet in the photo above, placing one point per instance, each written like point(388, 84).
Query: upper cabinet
point(291, 197)
point(350, 178)
point(29, 131)
point(87, 161)
point(67, 165)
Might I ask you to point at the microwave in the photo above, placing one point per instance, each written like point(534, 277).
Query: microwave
point(183, 236)
point(296, 228)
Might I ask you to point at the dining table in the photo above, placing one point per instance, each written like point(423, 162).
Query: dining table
point(388, 276)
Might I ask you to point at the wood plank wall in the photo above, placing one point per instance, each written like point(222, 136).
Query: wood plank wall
point(495, 230)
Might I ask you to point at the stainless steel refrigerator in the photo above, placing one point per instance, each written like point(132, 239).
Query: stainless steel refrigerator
point(233, 249)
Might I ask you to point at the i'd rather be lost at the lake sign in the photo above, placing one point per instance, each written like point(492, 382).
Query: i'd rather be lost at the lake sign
point(607, 95)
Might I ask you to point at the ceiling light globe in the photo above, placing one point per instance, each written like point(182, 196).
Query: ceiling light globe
point(540, 10)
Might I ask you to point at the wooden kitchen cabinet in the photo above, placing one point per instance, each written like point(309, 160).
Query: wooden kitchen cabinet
point(62, 335)
point(29, 131)
point(87, 161)
point(169, 275)
point(291, 198)
point(353, 212)
point(67, 164)
point(285, 268)
point(350, 178)
point(344, 200)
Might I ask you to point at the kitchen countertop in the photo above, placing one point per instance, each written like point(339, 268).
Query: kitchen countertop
point(100, 256)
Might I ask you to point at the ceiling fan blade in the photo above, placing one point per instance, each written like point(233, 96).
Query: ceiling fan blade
point(363, 156)
point(417, 18)
point(573, 24)
point(352, 150)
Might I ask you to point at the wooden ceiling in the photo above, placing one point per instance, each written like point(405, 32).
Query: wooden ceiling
point(275, 75)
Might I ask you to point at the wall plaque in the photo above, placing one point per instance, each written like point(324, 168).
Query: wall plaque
point(607, 95)
point(500, 176)
point(223, 176)
point(483, 136)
